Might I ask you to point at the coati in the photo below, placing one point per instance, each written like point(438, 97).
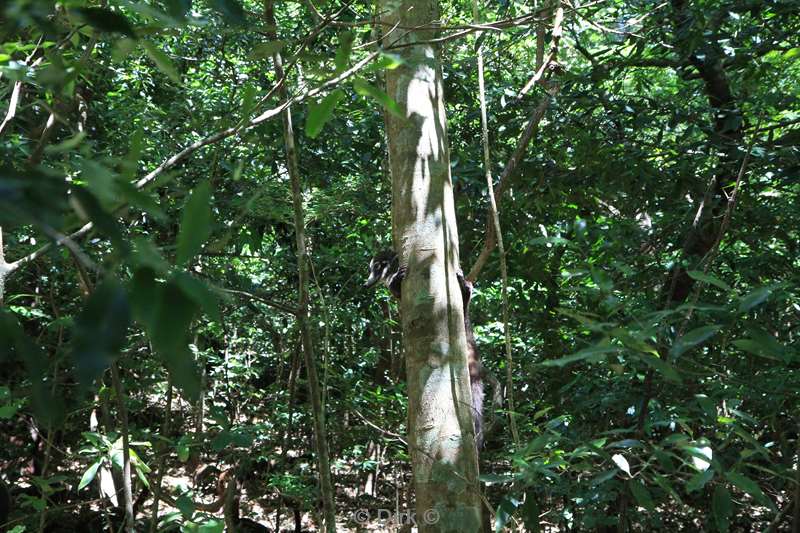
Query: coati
point(385, 267)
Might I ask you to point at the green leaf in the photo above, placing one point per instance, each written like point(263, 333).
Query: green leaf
point(722, 508)
point(267, 49)
point(602, 279)
point(90, 473)
point(122, 49)
point(593, 353)
point(663, 367)
point(504, 512)
point(641, 495)
point(182, 449)
point(665, 485)
point(169, 332)
point(692, 339)
point(201, 293)
point(792, 53)
point(365, 89)
point(100, 330)
point(749, 486)
point(386, 61)
point(343, 52)
point(753, 299)
point(756, 348)
point(162, 61)
point(88, 206)
point(320, 112)
point(67, 144)
point(104, 20)
point(185, 505)
point(178, 9)
point(708, 278)
point(212, 525)
point(231, 10)
point(195, 223)
point(699, 480)
point(530, 512)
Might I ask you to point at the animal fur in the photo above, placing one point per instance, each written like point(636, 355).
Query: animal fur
point(385, 267)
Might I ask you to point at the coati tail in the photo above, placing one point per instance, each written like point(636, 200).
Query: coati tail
point(477, 410)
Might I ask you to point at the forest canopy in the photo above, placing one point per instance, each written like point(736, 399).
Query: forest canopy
point(591, 207)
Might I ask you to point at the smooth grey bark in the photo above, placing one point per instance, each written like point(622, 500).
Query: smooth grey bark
point(441, 433)
point(5, 268)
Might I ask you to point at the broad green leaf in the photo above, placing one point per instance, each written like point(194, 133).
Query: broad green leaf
point(267, 49)
point(182, 449)
point(105, 20)
point(753, 347)
point(201, 293)
point(195, 223)
point(602, 279)
point(505, 511)
point(100, 330)
point(212, 525)
point(122, 49)
point(692, 339)
point(530, 512)
point(178, 9)
point(593, 353)
point(753, 299)
point(701, 456)
point(365, 89)
point(708, 278)
point(162, 61)
point(745, 484)
point(699, 480)
point(67, 144)
point(792, 53)
point(185, 505)
point(89, 207)
point(320, 112)
point(722, 508)
point(169, 332)
point(231, 10)
point(665, 485)
point(386, 61)
point(663, 367)
point(90, 473)
point(343, 52)
point(603, 477)
point(641, 495)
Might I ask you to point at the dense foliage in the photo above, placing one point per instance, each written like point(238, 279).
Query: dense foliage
point(650, 232)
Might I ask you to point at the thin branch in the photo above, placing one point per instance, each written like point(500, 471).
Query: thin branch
point(530, 130)
point(266, 301)
point(487, 164)
point(557, 32)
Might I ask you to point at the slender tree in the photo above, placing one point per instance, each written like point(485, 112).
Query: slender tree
point(314, 389)
point(426, 237)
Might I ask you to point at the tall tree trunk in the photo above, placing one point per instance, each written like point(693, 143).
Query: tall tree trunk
point(5, 268)
point(320, 434)
point(441, 434)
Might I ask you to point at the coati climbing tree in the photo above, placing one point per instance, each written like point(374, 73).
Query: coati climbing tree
point(441, 434)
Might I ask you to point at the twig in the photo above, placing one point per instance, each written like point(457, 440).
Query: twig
point(487, 164)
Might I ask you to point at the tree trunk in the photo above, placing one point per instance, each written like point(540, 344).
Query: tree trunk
point(441, 434)
point(5, 268)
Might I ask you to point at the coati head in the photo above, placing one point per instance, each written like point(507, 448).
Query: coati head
point(385, 267)
point(381, 268)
